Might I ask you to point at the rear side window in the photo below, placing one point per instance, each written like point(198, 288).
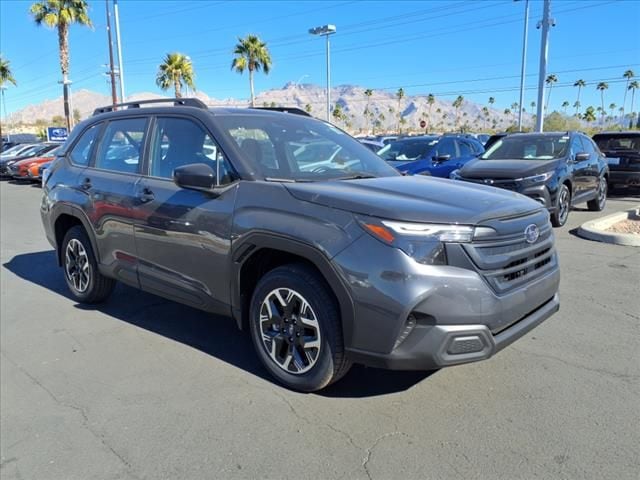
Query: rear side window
point(121, 146)
point(465, 148)
point(446, 146)
point(81, 152)
point(618, 142)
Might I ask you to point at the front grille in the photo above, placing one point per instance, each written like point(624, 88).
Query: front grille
point(510, 262)
point(505, 183)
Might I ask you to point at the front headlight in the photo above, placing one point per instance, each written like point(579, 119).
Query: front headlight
point(455, 175)
point(540, 178)
point(424, 242)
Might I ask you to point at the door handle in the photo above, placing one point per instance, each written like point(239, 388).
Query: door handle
point(86, 184)
point(145, 195)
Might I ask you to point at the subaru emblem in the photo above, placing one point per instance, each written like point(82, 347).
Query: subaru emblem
point(531, 233)
point(488, 181)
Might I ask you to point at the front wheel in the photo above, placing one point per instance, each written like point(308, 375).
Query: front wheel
point(296, 330)
point(598, 203)
point(86, 283)
point(563, 205)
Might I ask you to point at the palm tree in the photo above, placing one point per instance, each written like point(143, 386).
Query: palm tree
point(577, 107)
point(612, 107)
point(602, 86)
point(457, 103)
point(589, 115)
point(633, 86)
point(507, 111)
point(400, 96)
point(629, 74)
point(550, 80)
point(175, 71)
point(431, 99)
point(337, 113)
point(578, 83)
point(565, 104)
point(485, 111)
point(61, 14)
point(308, 108)
point(367, 113)
point(251, 54)
point(6, 75)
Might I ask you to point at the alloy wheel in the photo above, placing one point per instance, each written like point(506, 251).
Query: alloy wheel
point(563, 205)
point(602, 193)
point(77, 266)
point(290, 331)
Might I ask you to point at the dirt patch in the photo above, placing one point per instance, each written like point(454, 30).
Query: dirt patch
point(626, 226)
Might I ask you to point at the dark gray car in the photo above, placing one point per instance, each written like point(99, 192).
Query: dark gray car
point(306, 238)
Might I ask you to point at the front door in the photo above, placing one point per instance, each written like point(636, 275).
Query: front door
point(183, 236)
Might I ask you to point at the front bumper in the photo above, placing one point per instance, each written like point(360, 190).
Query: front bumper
point(458, 316)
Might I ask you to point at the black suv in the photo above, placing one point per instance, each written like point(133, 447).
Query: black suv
point(623, 156)
point(558, 170)
point(324, 252)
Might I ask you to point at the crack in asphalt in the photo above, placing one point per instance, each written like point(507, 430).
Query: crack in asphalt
point(621, 376)
point(369, 451)
point(80, 410)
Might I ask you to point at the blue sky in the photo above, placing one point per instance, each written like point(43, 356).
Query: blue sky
point(447, 48)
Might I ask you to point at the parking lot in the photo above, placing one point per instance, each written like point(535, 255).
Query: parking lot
point(141, 387)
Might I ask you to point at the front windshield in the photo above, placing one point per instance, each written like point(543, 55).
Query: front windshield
point(288, 147)
point(407, 150)
point(528, 147)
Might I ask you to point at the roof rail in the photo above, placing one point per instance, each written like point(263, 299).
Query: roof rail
point(292, 110)
point(185, 102)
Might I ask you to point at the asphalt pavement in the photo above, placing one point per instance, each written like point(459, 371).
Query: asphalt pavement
point(143, 388)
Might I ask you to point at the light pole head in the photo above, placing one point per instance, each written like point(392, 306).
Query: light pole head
point(323, 30)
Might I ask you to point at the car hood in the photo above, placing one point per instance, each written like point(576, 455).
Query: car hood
point(479, 168)
point(415, 199)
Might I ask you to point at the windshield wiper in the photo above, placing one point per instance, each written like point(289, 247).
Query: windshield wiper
point(287, 180)
point(356, 176)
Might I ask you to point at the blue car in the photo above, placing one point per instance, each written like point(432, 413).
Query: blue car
point(431, 155)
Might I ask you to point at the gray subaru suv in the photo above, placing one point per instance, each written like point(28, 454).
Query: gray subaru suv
point(317, 247)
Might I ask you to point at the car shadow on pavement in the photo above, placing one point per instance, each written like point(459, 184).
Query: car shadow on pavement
point(214, 335)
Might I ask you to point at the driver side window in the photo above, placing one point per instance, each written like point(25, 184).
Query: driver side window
point(576, 147)
point(446, 146)
point(179, 141)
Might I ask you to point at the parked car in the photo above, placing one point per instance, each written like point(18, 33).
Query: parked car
point(348, 263)
point(15, 150)
point(28, 152)
point(493, 139)
point(622, 150)
point(373, 145)
point(20, 170)
point(36, 171)
point(558, 170)
point(437, 155)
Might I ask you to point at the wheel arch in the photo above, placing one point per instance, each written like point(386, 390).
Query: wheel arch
point(261, 252)
point(65, 217)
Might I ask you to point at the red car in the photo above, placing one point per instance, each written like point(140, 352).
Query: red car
point(20, 170)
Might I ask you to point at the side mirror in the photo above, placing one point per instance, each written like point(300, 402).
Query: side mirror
point(581, 157)
point(441, 158)
point(195, 176)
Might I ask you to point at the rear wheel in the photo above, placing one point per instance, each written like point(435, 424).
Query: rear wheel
point(598, 203)
point(563, 205)
point(86, 283)
point(296, 329)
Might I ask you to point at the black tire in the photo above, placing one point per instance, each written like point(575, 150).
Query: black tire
point(98, 287)
point(330, 362)
point(598, 203)
point(563, 206)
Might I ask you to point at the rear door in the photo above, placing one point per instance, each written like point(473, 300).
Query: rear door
point(183, 236)
point(591, 174)
point(110, 183)
point(579, 170)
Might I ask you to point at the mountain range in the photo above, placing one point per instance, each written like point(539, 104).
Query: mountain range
point(383, 108)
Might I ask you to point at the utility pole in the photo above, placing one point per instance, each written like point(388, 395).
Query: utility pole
point(546, 22)
point(112, 73)
point(524, 61)
point(119, 45)
point(326, 30)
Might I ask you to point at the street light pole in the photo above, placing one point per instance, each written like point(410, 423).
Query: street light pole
point(112, 73)
point(119, 45)
point(326, 30)
point(524, 61)
point(546, 22)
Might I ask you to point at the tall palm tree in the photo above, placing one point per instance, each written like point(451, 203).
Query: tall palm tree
point(507, 111)
point(251, 54)
point(589, 115)
point(367, 113)
point(629, 74)
point(576, 105)
point(457, 103)
point(602, 86)
point(565, 104)
point(175, 71)
point(578, 83)
point(550, 80)
point(431, 99)
point(6, 75)
point(612, 107)
point(61, 14)
point(485, 111)
point(399, 96)
point(633, 86)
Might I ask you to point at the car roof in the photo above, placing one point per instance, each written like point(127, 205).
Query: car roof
point(618, 134)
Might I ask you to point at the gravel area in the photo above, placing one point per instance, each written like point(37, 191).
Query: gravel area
point(626, 226)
